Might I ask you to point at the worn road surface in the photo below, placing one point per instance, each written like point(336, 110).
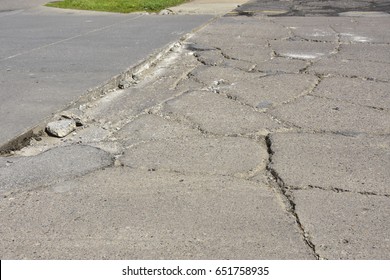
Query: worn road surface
point(50, 57)
point(270, 141)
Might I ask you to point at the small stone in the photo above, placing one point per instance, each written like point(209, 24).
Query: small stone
point(61, 128)
point(74, 115)
point(123, 84)
point(165, 12)
point(219, 82)
point(82, 107)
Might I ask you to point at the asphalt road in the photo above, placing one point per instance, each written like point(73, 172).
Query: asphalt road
point(313, 8)
point(11, 5)
point(50, 57)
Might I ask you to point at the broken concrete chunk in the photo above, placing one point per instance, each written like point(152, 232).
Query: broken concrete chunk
point(124, 84)
point(61, 128)
point(73, 114)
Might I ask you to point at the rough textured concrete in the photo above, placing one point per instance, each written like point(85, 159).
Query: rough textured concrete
point(302, 49)
point(346, 225)
point(121, 213)
point(226, 156)
point(38, 171)
point(356, 91)
point(365, 69)
point(256, 89)
point(365, 52)
point(321, 114)
point(151, 127)
point(352, 163)
point(218, 115)
point(229, 145)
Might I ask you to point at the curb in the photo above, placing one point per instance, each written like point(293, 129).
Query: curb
point(97, 92)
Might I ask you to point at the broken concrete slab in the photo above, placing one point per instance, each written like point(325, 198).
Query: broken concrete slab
point(70, 161)
point(322, 114)
point(314, 33)
point(217, 58)
point(364, 30)
point(151, 127)
point(357, 91)
point(122, 213)
point(240, 48)
point(217, 114)
point(166, 204)
point(345, 225)
point(256, 88)
point(61, 128)
point(276, 65)
point(352, 68)
point(353, 164)
point(211, 58)
point(257, 54)
point(224, 155)
point(365, 52)
point(303, 49)
point(153, 87)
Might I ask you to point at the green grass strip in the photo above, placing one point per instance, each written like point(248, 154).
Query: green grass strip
point(117, 6)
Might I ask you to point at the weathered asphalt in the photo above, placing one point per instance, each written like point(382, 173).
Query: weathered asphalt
point(17, 5)
point(270, 141)
point(50, 57)
point(312, 8)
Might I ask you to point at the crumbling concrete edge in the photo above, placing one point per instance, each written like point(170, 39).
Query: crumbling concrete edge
point(99, 91)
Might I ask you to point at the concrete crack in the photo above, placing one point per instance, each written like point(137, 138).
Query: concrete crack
point(381, 109)
point(287, 196)
point(340, 190)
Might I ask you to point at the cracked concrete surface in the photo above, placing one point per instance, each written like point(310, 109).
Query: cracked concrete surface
point(267, 142)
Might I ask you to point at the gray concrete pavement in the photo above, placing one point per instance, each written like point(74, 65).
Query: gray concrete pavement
point(49, 57)
point(258, 143)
